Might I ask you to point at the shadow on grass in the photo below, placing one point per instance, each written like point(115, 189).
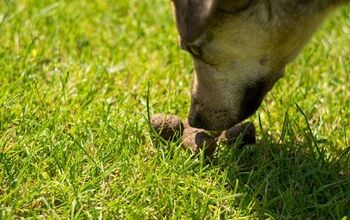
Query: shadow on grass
point(294, 177)
point(289, 179)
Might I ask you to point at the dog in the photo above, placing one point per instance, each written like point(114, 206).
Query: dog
point(240, 49)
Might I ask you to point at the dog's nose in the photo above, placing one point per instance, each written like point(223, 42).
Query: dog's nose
point(195, 120)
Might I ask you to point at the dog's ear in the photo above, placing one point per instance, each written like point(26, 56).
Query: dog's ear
point(192, 17)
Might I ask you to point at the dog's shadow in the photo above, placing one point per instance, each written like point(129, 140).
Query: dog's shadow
point(287, 180)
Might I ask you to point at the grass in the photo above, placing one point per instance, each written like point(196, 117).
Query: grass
point(74, 138)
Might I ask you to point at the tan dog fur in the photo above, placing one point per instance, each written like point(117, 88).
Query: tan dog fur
point(240, 49)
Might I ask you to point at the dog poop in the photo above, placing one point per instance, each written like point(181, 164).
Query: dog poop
point(168, 127)
point(246, 131)
point(197, 139)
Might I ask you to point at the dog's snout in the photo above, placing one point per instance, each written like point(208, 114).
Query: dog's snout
point(195, 120)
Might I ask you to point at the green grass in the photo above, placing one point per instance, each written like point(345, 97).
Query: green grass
point(74, 138)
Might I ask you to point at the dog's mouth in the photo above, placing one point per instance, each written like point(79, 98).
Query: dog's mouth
point(219, 119)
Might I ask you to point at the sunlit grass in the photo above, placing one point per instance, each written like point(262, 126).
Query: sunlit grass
point(74, 139)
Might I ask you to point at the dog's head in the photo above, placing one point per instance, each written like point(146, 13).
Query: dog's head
point(240, 49)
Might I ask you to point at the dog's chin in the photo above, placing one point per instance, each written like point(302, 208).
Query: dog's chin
point(217, 125)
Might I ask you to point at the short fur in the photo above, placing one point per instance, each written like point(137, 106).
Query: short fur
point(240, 49)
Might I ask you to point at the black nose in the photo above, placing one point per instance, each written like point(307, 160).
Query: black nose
point(195, 121)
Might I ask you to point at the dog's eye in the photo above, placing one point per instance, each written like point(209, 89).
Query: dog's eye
point(192, 49)
point(195, 51)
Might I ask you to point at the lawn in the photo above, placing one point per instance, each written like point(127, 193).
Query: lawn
point(77, 79)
